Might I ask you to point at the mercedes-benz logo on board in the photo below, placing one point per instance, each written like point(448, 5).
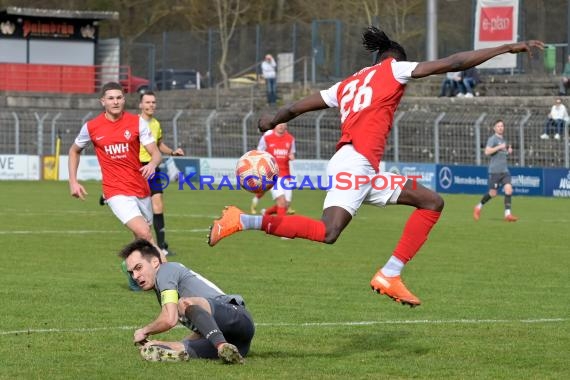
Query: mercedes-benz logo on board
point(445, 177)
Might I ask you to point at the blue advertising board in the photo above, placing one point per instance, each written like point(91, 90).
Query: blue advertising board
point(461, 179)
point(425, 172)
point(474, 180)
point(556, 182)
point(527, 181)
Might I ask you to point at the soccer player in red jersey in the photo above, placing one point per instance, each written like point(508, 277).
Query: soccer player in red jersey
point(117, 137)
point(367, 101)
point(280, 144)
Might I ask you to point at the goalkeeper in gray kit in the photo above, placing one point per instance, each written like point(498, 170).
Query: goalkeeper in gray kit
point(221, 325)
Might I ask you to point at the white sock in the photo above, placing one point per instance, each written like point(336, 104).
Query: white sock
point(393, 267)
point(479, 206)
point(251, 222)
point(507, 212)
point(255, 201)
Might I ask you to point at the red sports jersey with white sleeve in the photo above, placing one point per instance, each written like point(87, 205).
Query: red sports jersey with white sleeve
point(367, 102)
point(279, 147)
point(117, 144)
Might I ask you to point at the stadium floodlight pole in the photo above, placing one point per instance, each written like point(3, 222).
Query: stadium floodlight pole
point(431, 42)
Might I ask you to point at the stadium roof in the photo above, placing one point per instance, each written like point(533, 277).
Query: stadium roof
point(61, 13)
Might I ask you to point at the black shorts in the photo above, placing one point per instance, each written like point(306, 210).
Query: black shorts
point(498, 180)
point(234, 321)
point(156, 182)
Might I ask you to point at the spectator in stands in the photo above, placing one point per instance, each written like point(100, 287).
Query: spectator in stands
point(269, 72)
point(451, 83)
point(565, 80)
point(557, 118)
point(470, 79)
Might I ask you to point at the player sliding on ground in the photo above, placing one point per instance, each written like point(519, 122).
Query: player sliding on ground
point(367, 102)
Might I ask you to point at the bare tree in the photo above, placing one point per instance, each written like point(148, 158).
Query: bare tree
point(371, 9)
point(229, 12)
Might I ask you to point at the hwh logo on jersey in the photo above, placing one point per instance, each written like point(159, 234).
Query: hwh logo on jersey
point(280, 152)
point(116, 149)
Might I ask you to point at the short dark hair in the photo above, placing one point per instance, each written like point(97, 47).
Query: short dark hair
point(145, 247)
point(375, 40)
point(149, 92)
point(111, 86)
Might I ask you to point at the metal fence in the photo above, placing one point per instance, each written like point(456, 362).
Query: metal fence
point(449, 137)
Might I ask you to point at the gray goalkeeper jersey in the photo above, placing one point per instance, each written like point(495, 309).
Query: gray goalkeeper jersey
point(175, 276)
point(498, 160)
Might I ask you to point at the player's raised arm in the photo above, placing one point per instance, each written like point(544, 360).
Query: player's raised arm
point(312, 102)
point(467, 59)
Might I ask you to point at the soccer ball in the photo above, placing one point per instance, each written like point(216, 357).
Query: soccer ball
point(256, 170)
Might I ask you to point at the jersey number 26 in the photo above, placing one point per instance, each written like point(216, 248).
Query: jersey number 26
point(356, 96)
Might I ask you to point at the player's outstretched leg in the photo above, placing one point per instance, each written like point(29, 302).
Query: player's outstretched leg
point(428, 210)
point(225, 226)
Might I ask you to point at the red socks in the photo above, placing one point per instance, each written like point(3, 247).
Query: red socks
point(414, 236)
point(415, 233)
point(294, 226)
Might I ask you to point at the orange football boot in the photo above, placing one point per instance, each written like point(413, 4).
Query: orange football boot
point(511, 218)
point(227, 225)
point(394, 288)
point(476, 213)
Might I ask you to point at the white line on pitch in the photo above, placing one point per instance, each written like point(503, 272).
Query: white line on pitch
point(82, 212)
point(314, 324)
point(82, 232)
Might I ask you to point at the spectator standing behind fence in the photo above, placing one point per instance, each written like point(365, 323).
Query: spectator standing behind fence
point(565, 80)
point(557, 118)
point(499, 176)
point(269, 72)
point(451, 84)
point(470, 79)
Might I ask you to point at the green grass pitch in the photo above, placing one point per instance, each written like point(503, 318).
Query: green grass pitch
point(495, 295)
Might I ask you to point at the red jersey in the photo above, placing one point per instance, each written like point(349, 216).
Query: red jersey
point(279, 147)
point(117, 145)
point(367, 101)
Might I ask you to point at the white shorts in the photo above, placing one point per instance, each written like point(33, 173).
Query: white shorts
point(382, 188)
point(278, 191)
point(128, 207)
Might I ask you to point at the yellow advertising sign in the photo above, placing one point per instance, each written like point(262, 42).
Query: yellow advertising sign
point(50, 168)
